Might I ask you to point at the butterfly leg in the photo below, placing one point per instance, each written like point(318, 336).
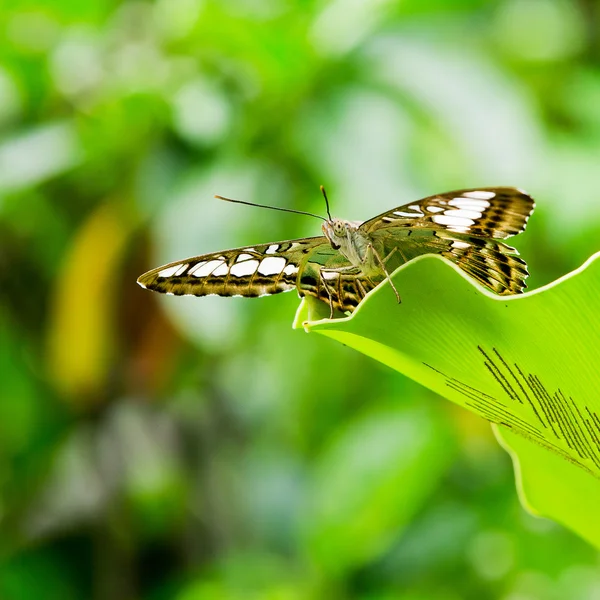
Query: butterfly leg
point(382, 265)
point(395, 249)
point(326, 288)
point(339, 271)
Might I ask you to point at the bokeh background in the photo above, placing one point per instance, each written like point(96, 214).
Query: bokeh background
point(157, 447)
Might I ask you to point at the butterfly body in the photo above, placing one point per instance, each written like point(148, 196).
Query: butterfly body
point(351, 242)
point(352, 258)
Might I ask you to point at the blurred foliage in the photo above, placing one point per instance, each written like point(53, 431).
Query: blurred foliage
point(184, 448)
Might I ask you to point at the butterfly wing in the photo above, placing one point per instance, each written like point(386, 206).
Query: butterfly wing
point(251, 271)
point(463, 226)
point(496, 213)
point(309, 265)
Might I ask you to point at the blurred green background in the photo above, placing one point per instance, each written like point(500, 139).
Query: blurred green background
point(157, 447)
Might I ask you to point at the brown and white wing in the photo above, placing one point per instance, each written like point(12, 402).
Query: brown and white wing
point(492, 263)
point(309, 265)
point(497, 213)
point(251, 271)
point(463, 226)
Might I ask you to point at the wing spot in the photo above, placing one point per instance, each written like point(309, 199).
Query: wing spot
point(207, 268)
point(401, 213)
point(308, 281)
point(221, 270)
point(330, 274)
point(181, 270)
point(243, 256)
point(170, 271)
point(468, 203)
point(479, 194)
point(461, 245)
point(450, 221)
point(463, 213)
point(290, 269)
point(243, 269)
point(272, 249)
point(271, 265)
point(196, 267)
point(434, 209)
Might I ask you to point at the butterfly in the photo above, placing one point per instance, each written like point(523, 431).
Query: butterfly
point(351, 258)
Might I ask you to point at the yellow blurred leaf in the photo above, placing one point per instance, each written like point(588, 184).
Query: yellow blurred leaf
point(81, 331)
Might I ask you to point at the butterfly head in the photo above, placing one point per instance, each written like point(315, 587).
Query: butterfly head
point(336, 231)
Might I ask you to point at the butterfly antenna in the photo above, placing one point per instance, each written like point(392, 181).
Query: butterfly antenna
point(290, 210)
point(326, 202)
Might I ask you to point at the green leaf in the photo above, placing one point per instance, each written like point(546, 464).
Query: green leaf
point(527, 363)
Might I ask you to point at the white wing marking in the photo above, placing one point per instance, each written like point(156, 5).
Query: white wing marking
point(170, 271)
point(452, 221)
point(401, 213)
point(207, 268)
point(196, 267)
point(461, 245)
point(242, 269)
point(463, 213)
point(480, 194)
point(221, 270)
point(271, 265)
point(467, 203)
point(181, 269)
point(291, 269)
